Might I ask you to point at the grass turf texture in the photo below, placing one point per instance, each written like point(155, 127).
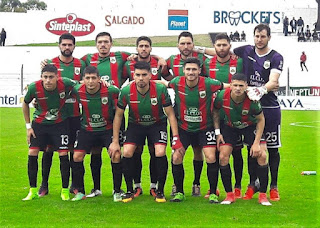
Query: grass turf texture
point(299, 205)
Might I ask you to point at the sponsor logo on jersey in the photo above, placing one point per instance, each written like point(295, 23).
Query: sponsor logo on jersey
point(215, 69)
point(154, 101)
point(154, 71)
point(62, 95)
point(233, 70)
point(113, 60)
point(71, 24)
point(123, 20)
point(202, 94)
point(266, 64)
point(52, 114)
point(105, 77)
point(104, 100)
point(178, 66)
point(245, 112)
point(77, 70)
point(178, 20)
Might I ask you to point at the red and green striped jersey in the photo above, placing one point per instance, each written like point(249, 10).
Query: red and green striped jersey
point(97, 109)
point(110, 68)
point(221, 71)
point(175, 63)
point(72, 70)
point(128, 69)
point(51, 104)
point(193, 105)
point(145, 109)
point(237, 115)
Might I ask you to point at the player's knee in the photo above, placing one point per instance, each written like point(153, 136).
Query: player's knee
point(176, 158)
point(33, 152)
point(211, 158)
point(78, 156)
point(262, 159)
point(63, 153)
point(116, 158)
point(224, 159)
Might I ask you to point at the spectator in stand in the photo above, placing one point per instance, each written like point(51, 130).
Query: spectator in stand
point(300, 25)
point(3, 37)
point(285, 25)
point(314, 36)
point(303, 59)
point(236, 36)
point(293, 24)
point(301, 37)
point(243, 36)
point(231, 36)
point(308, 34)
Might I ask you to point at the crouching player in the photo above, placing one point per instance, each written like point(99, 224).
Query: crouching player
point(242, 117)
point(98, 103)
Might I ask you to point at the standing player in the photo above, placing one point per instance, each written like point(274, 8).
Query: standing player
point(48, 125)
point(147, 101)
point(144, 48)
point(68, 67)
point(97, 102)
point(193, 99)
point(242, 117)
point(174, 68)
point(222, 67)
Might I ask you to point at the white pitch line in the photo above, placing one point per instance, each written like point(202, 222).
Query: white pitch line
point(302, 124)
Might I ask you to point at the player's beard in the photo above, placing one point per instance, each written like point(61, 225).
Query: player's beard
point(66, 53)
point(141, 85)
point(222, 54)
point(144, 57)
point(186, 53)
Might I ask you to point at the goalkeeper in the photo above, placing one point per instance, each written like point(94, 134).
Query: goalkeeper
point(263, 67)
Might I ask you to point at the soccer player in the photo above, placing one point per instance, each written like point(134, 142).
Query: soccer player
point(263, 66)
point(147, 101)
point(242, 117)
point(193, 100)
point(144, 48)
point(98, 102)
point(48, 125)
point(174, 68)
point(68, 67)
point(222, 67)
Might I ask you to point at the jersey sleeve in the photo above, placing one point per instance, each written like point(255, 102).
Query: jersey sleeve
point(124, 55)
point(172, 84)
point(126, 70)
point(165, 98)
point(123, 95)
point(165, 70)
point(218, 100)
point(240, 51)
point(240, 65)
point(114, 93)
point(215, 85)
point(30, 93)
point(255, 108)
point(277, 63)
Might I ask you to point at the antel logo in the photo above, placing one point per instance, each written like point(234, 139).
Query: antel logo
point(71, 24)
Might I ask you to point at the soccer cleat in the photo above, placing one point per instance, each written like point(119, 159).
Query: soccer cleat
point(237, 193)
point(263, 199)
point(79, 196)
point(31, 195)
point(153, 192)
point(213, 198)
point(274, 194)
point(127, 197)
point(196, 190)
point(178, 197)
point(160, 198)
point(174, 190)
point(117, 197)
point(138, 191)
point(94, 193)
point(249, 193)
point(43, 191)
point(65, 194)
point(229, 199)
point(208, 193)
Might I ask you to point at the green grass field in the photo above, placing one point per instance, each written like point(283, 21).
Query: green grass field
point(299, 205)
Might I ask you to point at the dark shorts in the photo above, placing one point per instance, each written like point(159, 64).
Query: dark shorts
point(203, 138)
point(137, 134)
point(50, 134)
point(272, 127)
point(73, 128)
point(122, 132)
point(239, 144)
point(231, 135)
point(86, 140)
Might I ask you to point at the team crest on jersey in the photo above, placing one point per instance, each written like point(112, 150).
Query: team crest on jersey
point(77, 70)
point(245, 112)
point(233, 70)
point(154, 101)
point(266, 64)
point(104, 100)
point(154, 71)
point(202, 94)
point(62, 95)
point(113, 59)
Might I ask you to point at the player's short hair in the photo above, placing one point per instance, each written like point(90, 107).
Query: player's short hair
point(185, 34)
point(67, 36)
point(141, 65)
point(261, 27)
point(104, 34)
point(144, 38)
point(50, 68)
point(91, 70)
point(192, 60)
point(222, 36)
point(239, 77)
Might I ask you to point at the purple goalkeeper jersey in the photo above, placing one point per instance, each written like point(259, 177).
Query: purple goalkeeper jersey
point(258, 67)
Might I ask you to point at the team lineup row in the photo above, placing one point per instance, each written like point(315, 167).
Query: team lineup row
point(247, 113)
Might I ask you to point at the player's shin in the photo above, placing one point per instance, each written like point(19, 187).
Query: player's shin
point(212, 174)
point(32, 170)
point(65, 170)
point(162, 170)
point(117, 176)
point(178, 176)
point(127, 168)
point(95, 165)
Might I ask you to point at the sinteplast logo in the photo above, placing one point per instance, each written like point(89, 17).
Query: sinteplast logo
point(71, 24)
point(178, 20)
point(246, 17)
